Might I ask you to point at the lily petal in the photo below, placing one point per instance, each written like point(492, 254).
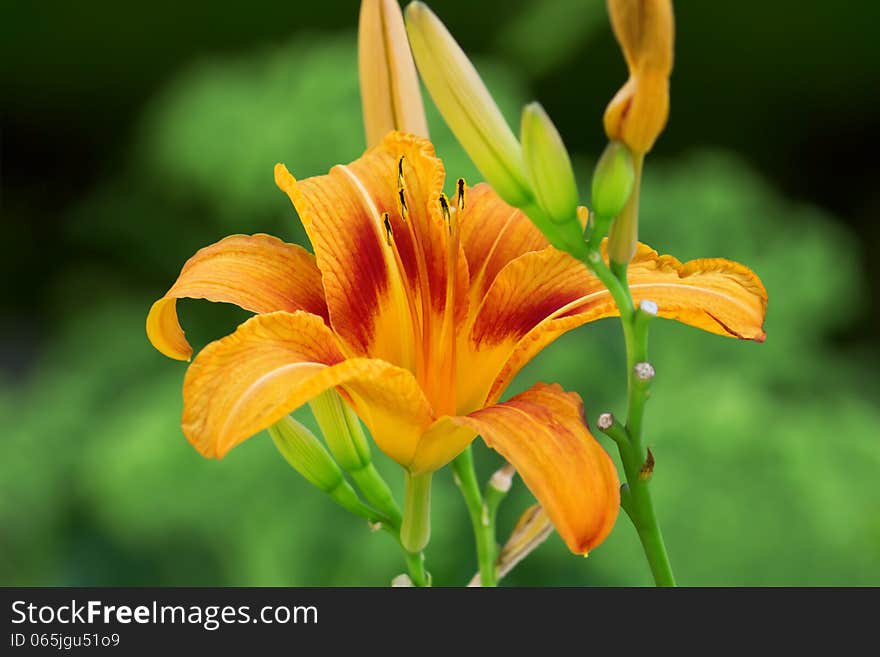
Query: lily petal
point(492, 234)
point(542, 433)
point(541, 295)
point(275, 363)
point(259, 273)
point(380, 286)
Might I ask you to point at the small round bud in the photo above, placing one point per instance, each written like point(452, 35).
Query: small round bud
point(605, 421)
point(644, 371)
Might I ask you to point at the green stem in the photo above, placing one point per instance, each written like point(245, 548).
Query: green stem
point(415, 565)
point(636, 496)
point(482, 517)
point(640, 509)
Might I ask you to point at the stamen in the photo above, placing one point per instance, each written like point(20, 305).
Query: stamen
point(388, 232)
point(444, 208)
point(401, 201)
point(401, 190)
point(400, 172)
point(461, 190)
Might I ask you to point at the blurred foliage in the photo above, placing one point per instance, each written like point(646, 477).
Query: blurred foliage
point(766, 454)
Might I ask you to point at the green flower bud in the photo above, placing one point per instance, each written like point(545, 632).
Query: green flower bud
point(347, 442)
point(466, 105)
point(342, 431)
point(306, 454)
point(613, 180)
point(548, 166)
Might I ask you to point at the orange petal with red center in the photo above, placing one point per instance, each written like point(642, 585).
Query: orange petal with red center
point(379, 287)
point(543, 294)
point(492, 234)
point(259, 273)
point(275, 363)
point(542, 433)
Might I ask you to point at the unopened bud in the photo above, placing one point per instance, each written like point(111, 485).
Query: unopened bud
point(548, 165)
point(645, 31)
point(613, 180)
point(466, 105)
point(342, 431)
point(390, 93)
point(305, 453)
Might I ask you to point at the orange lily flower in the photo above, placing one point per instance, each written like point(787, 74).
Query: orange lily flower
point(420, 311)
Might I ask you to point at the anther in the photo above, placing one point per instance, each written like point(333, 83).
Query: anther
point(388, 232)
point(401, 190)
point(644, 371)
point(400, 184)
point(444, 208)
point(401, 199)
point(461, 190)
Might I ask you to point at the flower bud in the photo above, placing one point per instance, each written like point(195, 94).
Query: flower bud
point(613, 180)
point(548, 166)
point(466, 105)
point(342, 431)
point(305, 453)
point(638, 112)
point(390, 93)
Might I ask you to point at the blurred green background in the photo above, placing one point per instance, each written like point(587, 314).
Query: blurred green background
point(133, 134)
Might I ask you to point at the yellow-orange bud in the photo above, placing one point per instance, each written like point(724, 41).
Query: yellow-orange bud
point(390, 92)
point(638, 112)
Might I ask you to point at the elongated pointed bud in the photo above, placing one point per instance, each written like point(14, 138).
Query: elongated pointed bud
point(548, 166)
point(347, 442)
point(466, 105)
point(613, 180)
point(390, 93)
point(638, 112)
point(342, 431)
point(305, 453)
